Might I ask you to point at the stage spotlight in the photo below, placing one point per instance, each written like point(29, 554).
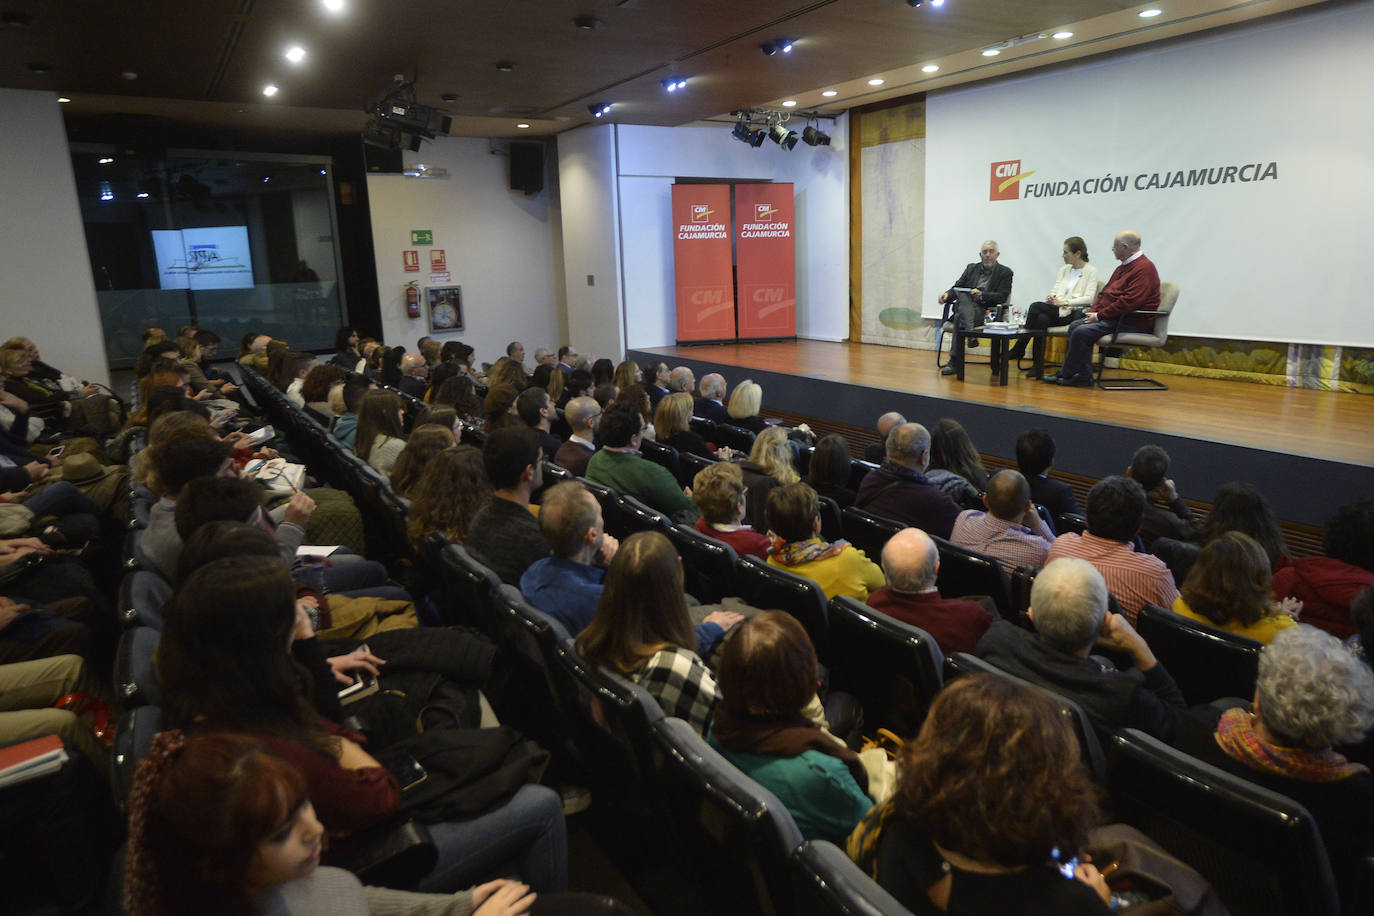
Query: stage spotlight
point(756, 137)
point(782, 136)
point(599, 108)
point(777, 44)
point(813, 137)
point(741, 131)
point(673, 83)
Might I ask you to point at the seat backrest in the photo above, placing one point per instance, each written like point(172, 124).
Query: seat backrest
point(868, 532)
point(858, 470)
point(528, 698)
point(689, 465)
point(632, 515)
point(469, 588)
point(826, 882)
point(894, 669)
point(610, 514)
point(832, 525)
point(1260, 850)
point(733, 829)
point(142, 595)
point(961, 663)
point(660, 454)
point(1207, 663)
point(1168, 298)
point(137, 729)
point(704, 428)
point(708, 565)
point(771, 588)
point(1070, 523)
point(135, 676)
point(967, 572)
point(735, 437)
point(554, 473)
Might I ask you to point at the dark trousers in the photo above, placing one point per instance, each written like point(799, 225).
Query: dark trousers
point(965, 313)
point(1041, 316)
point(1079, 360)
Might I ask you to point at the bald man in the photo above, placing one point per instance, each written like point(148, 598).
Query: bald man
point(983, 285)
point(414, 375)
point(1134, 286)
point(911, 563)
point(877, 451)
point(711, 404)
point(1010, 531)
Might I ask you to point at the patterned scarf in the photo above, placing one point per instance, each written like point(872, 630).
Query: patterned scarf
point(1237, 737)
point(798, 552)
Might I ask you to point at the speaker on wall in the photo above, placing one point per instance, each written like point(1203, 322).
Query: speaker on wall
point(378, 159)
point(527, 167)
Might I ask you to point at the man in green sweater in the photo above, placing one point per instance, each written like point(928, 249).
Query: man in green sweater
point(620, 466)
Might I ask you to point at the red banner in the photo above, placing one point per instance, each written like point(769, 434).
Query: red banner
point(701, 262)
point(766, 260)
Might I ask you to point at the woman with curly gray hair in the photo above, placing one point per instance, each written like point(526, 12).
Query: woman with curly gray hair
point(1313, 694)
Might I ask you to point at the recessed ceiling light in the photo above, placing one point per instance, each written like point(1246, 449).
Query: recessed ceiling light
point(62, 100)
point(991, 52)
point(104, 160)
point(295, 54)
point(522, 126)
point(1062, 35)
point(142, 195)
point(875, 82)
point(1149, 14)
point(830, 93)
point(269, 90)
point(930, 68)
point(790, 103)
point(129, 75)
point(505, 66)
point(334, 6)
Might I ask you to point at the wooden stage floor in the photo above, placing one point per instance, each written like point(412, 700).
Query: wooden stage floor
point(1316, 424)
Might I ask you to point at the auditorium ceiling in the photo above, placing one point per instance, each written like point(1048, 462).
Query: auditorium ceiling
point(493, 64)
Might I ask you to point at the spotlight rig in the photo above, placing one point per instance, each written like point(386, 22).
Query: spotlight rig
point(398, 121)
point(774, 127)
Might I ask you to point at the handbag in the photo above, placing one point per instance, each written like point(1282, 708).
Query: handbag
point(465, 770)
point(14, 520)
point(1144, 869)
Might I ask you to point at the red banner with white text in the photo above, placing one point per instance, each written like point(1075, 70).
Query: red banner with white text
point(702, 262)
point(766, 262)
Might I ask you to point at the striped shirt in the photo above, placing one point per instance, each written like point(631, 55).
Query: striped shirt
point(1136, 579)
point(1009, 543)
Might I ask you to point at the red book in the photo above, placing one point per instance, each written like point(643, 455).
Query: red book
point(31, 759)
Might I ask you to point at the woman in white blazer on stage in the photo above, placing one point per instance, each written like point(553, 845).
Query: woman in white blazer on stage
point(1074, 290)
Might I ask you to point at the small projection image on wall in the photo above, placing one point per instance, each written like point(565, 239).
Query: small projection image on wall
point(209, 257)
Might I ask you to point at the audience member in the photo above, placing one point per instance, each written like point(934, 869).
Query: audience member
point(718, 491)
point(537, 412)
point(642, 631)
point(794, 518)
point(1327, 585)
point(1069, 610)
point(319, 382)
point(29, 691)
point(451, 490)
point(1236, 507)
point(414, 379)
point(380, 436)
point(955, 467)
point(767, 676)
point(637, 396)
point(657, 386)
point(711, 404)
point(672, 427)
point(682, 379)
point(292, 368)
point(504, 534)
point(506, 371)
point(603, 372)
point(1150, 468)
point(351, 395)
point(499, 408)
point(1312, 694)
point(769, 465)
point(829, 470)
point(900, 491)
point(583, 416)
point(459, 393)
point(626, 374)
point(567, 585)
point(876, 452)
point(911, 564)
point(991, 746)
point(1115, 508)
point(1035, 458)
point(576, 384)
point(1229, 587)
point(348, 357)
point(744, 407)
point(423, 444)
point(619, 465)
point(1010, 531)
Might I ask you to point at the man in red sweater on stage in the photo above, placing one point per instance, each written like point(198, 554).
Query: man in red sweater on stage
point(1133, 286)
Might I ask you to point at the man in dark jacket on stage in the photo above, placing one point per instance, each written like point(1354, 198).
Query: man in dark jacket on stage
point(982, 285)
point(1134, 286)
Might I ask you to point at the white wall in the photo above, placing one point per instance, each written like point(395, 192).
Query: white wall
point(649, 158)
point(589, 205)
point(47, 293)
point(1271, 259)
point(498, 243)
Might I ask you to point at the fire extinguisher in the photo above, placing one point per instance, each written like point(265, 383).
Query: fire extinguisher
point(412, 300)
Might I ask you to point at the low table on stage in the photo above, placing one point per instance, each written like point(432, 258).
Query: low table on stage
point(1000, 337)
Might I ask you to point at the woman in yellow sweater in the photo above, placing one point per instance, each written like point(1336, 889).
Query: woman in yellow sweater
point(1230, 588)
point(794, 522)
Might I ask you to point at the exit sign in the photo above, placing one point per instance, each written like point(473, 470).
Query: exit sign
point(422, 236)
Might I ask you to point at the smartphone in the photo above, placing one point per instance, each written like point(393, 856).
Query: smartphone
point(410, 774)
point(1065, 868)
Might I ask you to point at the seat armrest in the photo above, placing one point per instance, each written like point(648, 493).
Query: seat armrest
point(394, 856)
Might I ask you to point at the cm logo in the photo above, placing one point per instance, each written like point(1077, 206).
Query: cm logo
point(1006, 180)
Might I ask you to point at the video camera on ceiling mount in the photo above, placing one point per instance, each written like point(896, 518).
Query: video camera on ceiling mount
point(398, 121)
